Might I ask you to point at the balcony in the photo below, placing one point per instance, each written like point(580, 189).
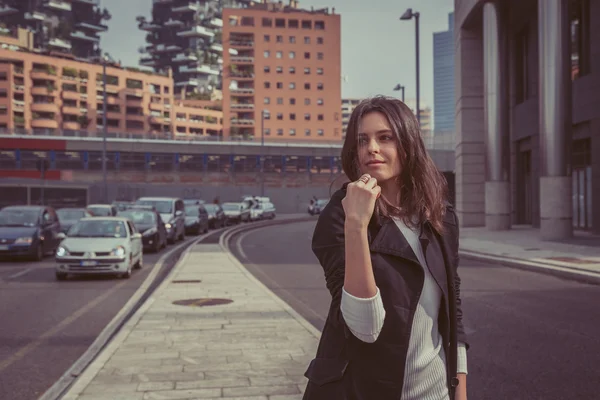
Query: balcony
point(43, 123)
point(201, 69)
point(242, 122)
point(60, 43)
point(242, 91)
point(70, 95)
point(58, 5)
point(149, 26)
point(216, 23)
point(44, 107)
point(182, 57)
point(35, 15)
point(218, 47)
point(7, 10)
point(196, 31)
point(242, 106)
point(19, 88)
point(82, 36)
point(147, 61)
point(18, 105)
point(71, 125)
point(49, 74)
point(242, 60)
point(90, 2)
point(161, 48)
point(92, 27)
point(155, 106)
point(241, 43)
point(241, 75)
point(71, 110)
point(191, 7)
point(174, 22)
point(43, 90)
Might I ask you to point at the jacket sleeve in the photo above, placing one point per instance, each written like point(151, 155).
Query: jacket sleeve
point(328, 247)
point(462, 337)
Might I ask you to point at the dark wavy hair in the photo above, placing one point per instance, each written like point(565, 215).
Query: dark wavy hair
point(423, 188)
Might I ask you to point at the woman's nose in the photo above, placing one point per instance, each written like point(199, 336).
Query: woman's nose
point(373, 146)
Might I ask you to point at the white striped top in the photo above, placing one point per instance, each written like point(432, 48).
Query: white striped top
point(425, 369)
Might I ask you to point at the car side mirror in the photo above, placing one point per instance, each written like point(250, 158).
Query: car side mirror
point(178, 213)
point(61, 236)
point(136, 235)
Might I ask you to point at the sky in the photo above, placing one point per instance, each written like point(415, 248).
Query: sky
point(378, 50)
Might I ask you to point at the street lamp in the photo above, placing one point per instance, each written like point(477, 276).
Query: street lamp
point(408, 15)
point(104, 60)
point(401, 88)
point(262, 152)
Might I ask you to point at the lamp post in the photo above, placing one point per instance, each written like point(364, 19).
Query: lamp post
point(408, 15)
point(401, 88)
point(262, 153)
point(104, 59)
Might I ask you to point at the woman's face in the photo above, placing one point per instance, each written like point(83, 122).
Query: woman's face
point(378, 148)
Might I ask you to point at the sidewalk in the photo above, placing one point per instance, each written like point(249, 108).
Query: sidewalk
point(522, 247)
point(255, 348)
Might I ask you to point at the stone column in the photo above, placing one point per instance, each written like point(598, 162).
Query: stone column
point(497, 150)
point(469, 152)
point(555, 119)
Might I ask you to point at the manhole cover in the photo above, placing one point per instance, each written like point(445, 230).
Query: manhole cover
point(202, 302)
point(187, 281)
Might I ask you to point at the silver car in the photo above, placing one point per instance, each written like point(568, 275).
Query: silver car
point(100, 245)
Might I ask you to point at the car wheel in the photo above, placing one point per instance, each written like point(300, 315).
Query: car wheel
point(39, 252)
point(140, 263)
point(61, 276)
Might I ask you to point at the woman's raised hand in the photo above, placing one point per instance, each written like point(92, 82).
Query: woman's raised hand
point(359, 202)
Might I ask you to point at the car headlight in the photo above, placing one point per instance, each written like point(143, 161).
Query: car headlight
point(118, 252)
point(150, 231)
point(62, 252)
point(24, 240)
point(168, 226)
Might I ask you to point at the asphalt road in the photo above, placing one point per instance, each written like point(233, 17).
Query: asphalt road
point(46, 325)
point(532, 336)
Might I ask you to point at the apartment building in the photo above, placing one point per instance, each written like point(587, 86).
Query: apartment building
point(186, 37)
point(348, 105)
point(285, 80)
point(66, 26)
point(61, 96)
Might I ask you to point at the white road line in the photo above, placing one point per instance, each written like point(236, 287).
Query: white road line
point(18, 274)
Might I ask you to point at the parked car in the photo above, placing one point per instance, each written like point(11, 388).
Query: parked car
point(216, 216)
point(189, 202)
point(148, 222)
point(196, 219)
point(122, 205)
point(236, 212)
point(69, 216)
point(28, 231)
point(102, 210)
point(172, 212)
point(316, 207)
point(268, 210)
point(100, 245)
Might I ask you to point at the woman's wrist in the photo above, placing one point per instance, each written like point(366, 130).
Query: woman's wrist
point(355, 225)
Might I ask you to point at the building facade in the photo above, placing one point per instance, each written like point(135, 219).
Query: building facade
point(58, 96)
point(443, 79)
point(285, 81)
point(186, 37)
point(528, 108)
point(64, 26)
point(348, 105)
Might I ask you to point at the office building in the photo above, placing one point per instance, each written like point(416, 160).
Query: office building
point(58, 96)
point(348, 105)
point(185, 36)
point(287, 71)
point(62, 26)
point(443, 79)
point(528, 109)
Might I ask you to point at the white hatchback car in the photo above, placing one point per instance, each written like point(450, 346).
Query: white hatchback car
point(100, 245)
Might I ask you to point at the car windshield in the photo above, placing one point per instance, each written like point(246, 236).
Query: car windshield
point(18, 217)
point(162, 206)
point(98, 228)
point(231, 206)
point(99, 211)
point(70, 214)
point(192, 211)
point(139, 217)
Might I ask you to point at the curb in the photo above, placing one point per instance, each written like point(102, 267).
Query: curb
point(573, 274)
point(83, 370)
point(224, 243)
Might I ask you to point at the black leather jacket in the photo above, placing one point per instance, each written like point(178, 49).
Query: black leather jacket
point(349, 369)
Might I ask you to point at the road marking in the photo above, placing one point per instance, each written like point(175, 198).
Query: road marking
point(63, 324)
point(18, 274)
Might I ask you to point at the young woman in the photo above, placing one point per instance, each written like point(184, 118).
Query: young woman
point(388, 243)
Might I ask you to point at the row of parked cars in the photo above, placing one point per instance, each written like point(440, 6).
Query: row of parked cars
point(111, 238)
